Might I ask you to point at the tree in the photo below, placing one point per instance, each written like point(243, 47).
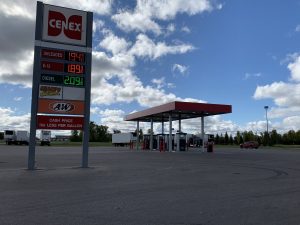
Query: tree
point(230, 140)
point(149, 131)
point(116, 131)
point(275, 138)
point(239, 138)
point(226, 139)
point(217, 139)
point(75, 136)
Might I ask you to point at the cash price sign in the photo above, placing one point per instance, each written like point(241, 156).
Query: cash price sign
point(61, 86)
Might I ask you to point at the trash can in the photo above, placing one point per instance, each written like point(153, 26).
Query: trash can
point(210, 147)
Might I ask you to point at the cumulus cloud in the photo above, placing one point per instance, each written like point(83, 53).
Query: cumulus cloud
point(283, 94)
point(142, 18)
point(160, 82)
point(177, 68)
point(286, 95)
point(171, 28)
point(114, 44)
point(144, 47)
point(102, 7)
point(9, 120)
point(294, 67)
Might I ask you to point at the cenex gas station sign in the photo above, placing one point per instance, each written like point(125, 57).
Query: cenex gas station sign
point(61, 86)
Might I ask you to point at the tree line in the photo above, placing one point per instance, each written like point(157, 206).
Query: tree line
point(272, 138)
point(98, 133)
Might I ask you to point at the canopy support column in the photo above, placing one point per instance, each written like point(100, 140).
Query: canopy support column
point(202, 132)
point(137, 134)
point(151, 136)
point(170, 132)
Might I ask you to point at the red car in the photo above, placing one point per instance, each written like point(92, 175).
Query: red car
point(250, 144)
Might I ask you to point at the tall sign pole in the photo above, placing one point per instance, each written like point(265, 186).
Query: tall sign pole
point(61, 85)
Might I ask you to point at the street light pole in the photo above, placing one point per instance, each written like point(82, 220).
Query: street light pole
point(266, 108)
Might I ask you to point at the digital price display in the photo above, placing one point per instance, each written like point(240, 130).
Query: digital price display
point(74, 68)
point(77, 81)
point(75, 57)
point(63, 55)
point(52, 66)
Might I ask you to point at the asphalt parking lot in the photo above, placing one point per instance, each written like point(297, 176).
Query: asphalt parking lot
point(229, 186)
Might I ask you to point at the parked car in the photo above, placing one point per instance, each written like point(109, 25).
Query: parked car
point(250, 144)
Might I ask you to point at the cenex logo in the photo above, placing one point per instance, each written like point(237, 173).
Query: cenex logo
point(57, 23)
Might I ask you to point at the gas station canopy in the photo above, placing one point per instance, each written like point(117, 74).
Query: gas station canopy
point(178, 111)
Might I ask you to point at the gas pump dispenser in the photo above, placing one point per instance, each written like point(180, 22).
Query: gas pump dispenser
point(210, 143)
point(181, 141)
point(161, 141)
point(146, 141)
point(167, 141)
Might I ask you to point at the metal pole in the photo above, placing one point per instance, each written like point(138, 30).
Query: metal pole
point(170, 132)
point(86, 125)
point(151, 136)
point(266, 108)
point(178, 135)
point(35, 86)
point(137, 134)
point(179, 124)
point(202, 132)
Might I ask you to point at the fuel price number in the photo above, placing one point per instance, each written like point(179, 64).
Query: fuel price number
point(77, 81)
point(75, 57)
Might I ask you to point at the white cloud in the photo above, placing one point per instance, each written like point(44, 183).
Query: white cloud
point(136, 22)
point(250, 75)
point(97, 25)
point(286, 96)
point(145, 47)
point(294, 67)
point(102, 7)
point(291, 123)
point(143, 17)
point(284, 112)
point(17, 99)
point(186, 29)
point(9, 121)
point(297, 29)
point(283, 94)
point(114, 44)
point(180, 68)
point(18, 8)
point(171, 28)
point(159, 82)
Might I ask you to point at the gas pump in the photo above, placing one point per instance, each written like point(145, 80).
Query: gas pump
point(167, 141)
point(181, 141)
point(160, 141)
point(146, 142)
point(155, 142)
point(210, 143)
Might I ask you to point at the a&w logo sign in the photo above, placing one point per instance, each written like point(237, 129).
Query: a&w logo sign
point(64, 25)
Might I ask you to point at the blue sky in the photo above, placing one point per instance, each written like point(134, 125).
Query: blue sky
point(145, 53)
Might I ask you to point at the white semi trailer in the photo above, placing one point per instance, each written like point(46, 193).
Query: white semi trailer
point(123, 139)
point(16, 137)
point(45, 137)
